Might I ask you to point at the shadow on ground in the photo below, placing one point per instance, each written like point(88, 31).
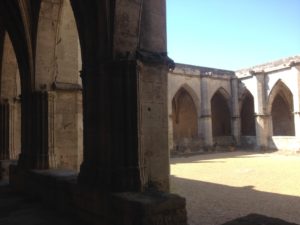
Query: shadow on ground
point(17, 209)
point(215, 204)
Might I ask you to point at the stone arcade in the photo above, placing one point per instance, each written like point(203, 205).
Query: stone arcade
point(91, 106)
point(211, 109)
point(113, 119)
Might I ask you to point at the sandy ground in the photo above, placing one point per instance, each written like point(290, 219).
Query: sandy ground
point(223, 186)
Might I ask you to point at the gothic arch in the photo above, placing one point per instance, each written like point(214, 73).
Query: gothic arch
point(220, 113)
point(247, 114)
point(10, 79)
point(280, 88)
point(58, 55)
point(184, 114)
point(98, 17)
point(57, 65)
point(192, 93)
point(223, 92)
point(10, 113)
point(280, 106)
point(15, 22)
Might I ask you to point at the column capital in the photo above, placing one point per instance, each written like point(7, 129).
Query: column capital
point(206, 116)
point(261, 115)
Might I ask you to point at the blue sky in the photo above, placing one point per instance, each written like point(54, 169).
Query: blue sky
point(232, 34)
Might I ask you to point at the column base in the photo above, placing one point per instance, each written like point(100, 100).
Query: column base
point(4, 168)
point(148, 209)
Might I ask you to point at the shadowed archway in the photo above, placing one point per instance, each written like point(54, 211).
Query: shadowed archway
point(280, 106)
point(220, 114)
point(247, 114)
point(184, 117)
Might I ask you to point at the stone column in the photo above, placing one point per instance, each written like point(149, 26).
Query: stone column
point(40, 130)
point(4, 131)
point(170, 122)
point(262, 118)
point(95, 169)
point(296, 99)
point(37, 151)
point(14, 129)
point(10, 130)
point(125, 117)
point(206, 127)
point(110, 115)
point(236, 120)
point(297, 122)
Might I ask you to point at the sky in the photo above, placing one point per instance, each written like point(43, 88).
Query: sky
point(232, 34)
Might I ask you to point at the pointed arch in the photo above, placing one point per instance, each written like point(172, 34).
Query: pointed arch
point(280, 106)
point(221, 113)
point(10, 118)
point(58, 54)
point(247, 114)
point(192, 93)
point(10, 80)
point(18, 20)
point(13, 15)
point(184, 115)
point(57, 65)
point(283, 90)
point(222, 91)
point(96, 16)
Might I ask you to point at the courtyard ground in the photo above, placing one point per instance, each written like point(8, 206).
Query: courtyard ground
point(223, 186)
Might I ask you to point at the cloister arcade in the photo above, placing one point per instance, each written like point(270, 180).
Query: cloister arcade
point(83, 97)
point(256, 108)
point(91, 106)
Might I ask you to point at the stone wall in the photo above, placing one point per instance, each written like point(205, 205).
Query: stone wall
point(266, 104)
point(68, 133)
point(285, 143)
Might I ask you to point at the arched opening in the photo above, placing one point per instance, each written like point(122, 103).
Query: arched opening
point(280, 106)
point(10, 113)
point(247, 115)
point(185, 125)
point(58, 62)
point(282, 116)
point(220, 115)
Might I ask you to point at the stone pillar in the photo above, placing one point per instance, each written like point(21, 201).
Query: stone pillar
point(41, 133)
point(170, 121)
point(296, 99)
point(111, 154)
point(262, 118)
point(297, 122)
point(153, 125)
point(125, 117)
point(10, 123)
point(4, 131)
point(236, 120)
point(206, 127)
point(37, 151)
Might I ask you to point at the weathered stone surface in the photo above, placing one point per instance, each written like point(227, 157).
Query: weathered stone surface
point(149, 209)
point(263, 104)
